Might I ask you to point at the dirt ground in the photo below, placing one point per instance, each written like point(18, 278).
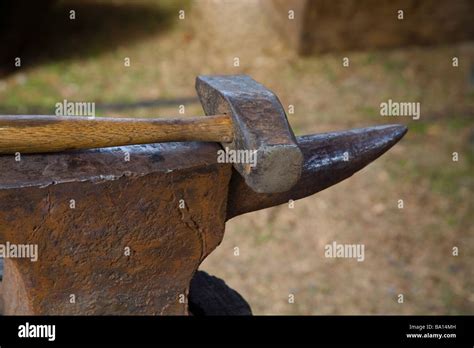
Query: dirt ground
point(408, 251)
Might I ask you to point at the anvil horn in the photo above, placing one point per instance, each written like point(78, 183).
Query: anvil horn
point(328, 159)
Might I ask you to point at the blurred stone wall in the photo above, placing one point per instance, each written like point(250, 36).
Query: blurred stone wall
point(335, 25)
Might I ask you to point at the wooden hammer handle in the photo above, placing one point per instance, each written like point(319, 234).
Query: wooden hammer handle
point(34, 134)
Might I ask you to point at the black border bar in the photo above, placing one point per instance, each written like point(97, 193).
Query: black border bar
point(347, 330)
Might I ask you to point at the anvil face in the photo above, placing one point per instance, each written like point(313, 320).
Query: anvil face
point(126, 237)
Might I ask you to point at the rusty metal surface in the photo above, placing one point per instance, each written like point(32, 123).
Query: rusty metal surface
point(81, 250)
point(136, 204)
point(259, 124)
point(324, 165)
point(105, 164)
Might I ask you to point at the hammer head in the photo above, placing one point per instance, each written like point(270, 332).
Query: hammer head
point(260, 128)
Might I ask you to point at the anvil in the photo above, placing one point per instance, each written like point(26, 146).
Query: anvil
point(126, 237)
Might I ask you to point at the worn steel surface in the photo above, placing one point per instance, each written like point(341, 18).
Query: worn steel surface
point(136, 204)
point(328, 159)
point(118, 205)
point(260, 125)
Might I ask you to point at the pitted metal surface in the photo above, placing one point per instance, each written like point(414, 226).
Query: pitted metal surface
point(104, 164)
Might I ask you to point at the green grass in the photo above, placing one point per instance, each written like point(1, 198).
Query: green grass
point(418, 127)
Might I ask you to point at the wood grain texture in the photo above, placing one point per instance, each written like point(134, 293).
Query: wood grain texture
point(36, 134)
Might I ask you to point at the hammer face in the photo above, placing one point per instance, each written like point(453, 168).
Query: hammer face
point(260, 126)
point(278, 169)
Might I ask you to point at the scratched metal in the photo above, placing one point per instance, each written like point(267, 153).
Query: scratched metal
point(103, 164)
point(324, 165)
point(136, 204)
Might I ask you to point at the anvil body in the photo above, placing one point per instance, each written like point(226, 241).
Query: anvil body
point(126, 237)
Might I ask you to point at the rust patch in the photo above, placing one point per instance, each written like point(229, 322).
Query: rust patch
point(81, 251)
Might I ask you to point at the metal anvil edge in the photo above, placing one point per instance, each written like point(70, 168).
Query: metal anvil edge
point(126, 237)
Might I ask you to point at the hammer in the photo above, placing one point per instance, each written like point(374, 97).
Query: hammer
point(241, 115)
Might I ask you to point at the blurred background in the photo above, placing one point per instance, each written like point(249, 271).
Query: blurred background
point(408, 251)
